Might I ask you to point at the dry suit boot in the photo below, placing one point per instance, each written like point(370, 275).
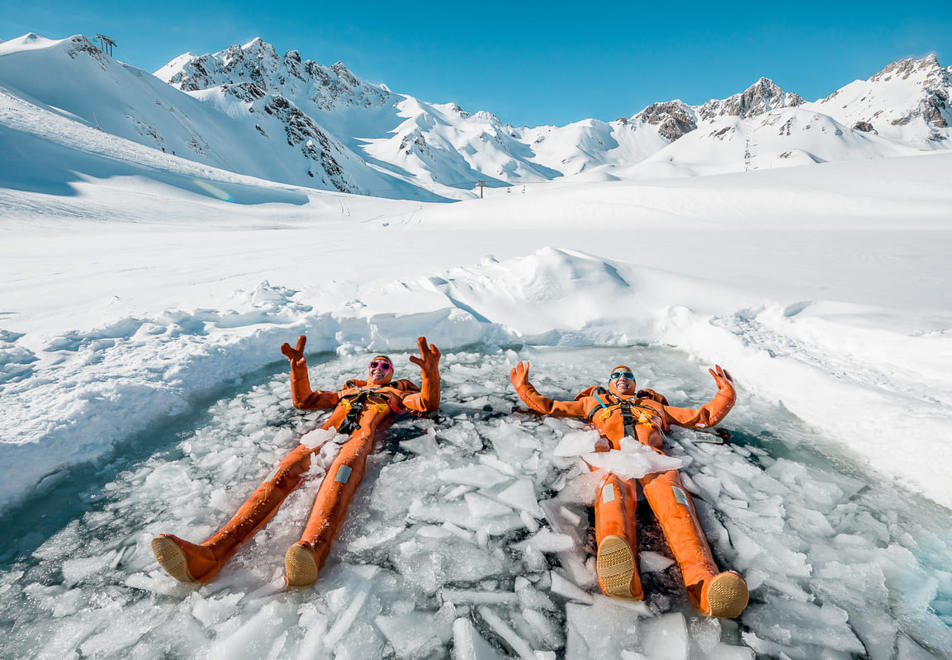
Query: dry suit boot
point(712, 592)
point(188, 562)
point(615, 563)
point(724, 596)
point(304, 559)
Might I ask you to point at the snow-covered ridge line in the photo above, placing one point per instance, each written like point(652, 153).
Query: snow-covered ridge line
point(98, 388)
point(287, 119)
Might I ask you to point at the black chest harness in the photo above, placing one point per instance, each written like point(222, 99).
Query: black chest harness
point(631, 412)
point(356, 403)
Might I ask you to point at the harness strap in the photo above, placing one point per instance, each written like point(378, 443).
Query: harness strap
point(600, 403)
point(355, 406)
point(627, 420)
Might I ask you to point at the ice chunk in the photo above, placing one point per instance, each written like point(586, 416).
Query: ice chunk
point(653, 562)
point(317, 437)
point(75, 570)
point(253, 636)
point(315, 623)
point(531, 523)
point(705, 632)
point(429, 563)
point(467, 536)
point(521, 495)
point(418, 634)
point(566, 589)
point(576, 443)
point(357, 594)
point(666, 637)
point(722, 651)
point(542, 629)
point(469, 644)
point(457, 596)
point(424, 444)
point(824, 626)
point(547, 541)
point(508, 635)
point(603, 629)
point(458, 514)
point(581, 487)
point(498, 465)
point(633, 461)
point(211, 611)
point(362, 641)
point(481, 476)
point(483, 507)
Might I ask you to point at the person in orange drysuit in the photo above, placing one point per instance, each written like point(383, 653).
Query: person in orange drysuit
point(361, 408)
point(644, 415)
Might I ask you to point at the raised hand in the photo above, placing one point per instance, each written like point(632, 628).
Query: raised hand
point(296, 354)
point(519, 376)
point(429, 356)
point(722, 377)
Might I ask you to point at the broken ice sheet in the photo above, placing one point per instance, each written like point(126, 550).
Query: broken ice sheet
point(634, 461)
point(873, 552)
point(418, 634)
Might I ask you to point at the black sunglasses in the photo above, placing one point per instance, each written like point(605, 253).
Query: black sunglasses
point(380, 363)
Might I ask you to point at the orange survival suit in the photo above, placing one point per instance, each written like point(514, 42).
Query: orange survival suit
point(645, 416)
point(360, 409)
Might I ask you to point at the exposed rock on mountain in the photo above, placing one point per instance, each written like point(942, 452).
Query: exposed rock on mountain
point(907, 101)
point(673, 118)
point(763, 96)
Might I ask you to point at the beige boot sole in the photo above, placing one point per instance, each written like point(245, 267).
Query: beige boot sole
point(616, 566)
point(727, 595)
point(171, 558)
point(300, 569)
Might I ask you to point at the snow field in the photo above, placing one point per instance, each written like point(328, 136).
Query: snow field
point(471, 534)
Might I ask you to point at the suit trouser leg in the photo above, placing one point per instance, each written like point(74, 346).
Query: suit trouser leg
point(306, 557)
point(200, 562)
point(615, 536)
point(674, 509)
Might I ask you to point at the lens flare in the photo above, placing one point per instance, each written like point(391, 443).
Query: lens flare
point(214, 191)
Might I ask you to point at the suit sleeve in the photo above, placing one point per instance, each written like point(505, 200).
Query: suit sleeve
point(547, 406)
point(428, 398)
point(302, 396)
point(710, 414)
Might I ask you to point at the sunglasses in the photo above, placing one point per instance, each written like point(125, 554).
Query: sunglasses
point(381, 363)
point(622, 374)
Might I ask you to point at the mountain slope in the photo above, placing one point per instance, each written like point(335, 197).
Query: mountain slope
point(254, 112)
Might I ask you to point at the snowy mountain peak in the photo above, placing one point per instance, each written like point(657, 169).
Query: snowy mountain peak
point(673, 118)
point(909, 101)
point(924, 68)
point(258, 63)
point(763, 96)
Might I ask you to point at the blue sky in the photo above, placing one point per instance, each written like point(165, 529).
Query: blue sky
point(531, 62)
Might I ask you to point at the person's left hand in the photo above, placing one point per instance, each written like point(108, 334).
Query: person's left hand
point(429, 356)
point(723, 378)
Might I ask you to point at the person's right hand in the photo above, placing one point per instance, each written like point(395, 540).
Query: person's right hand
point(519, 376)
point(296, 354)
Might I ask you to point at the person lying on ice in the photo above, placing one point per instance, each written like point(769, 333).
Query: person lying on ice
point(644, 415)
point(360, 409)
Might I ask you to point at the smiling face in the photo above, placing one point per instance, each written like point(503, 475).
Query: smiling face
point(621, 381)
point(380, 370)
